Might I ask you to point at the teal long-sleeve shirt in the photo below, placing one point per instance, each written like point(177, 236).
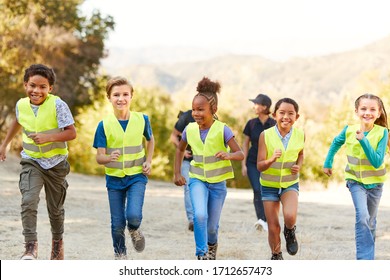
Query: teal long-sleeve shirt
point(376, 157)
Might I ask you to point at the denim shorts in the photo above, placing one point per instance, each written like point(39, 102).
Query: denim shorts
point(274, 194)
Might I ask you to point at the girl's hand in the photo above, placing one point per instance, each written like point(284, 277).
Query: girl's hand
point(146, 168)
point(359, 135)
point(114, 156)
point(223, 155)
point(277, 154)
point(179, 180)
point(295, 169)
point(187, 154)
point(327, 171)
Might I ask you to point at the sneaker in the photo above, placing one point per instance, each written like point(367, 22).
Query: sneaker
point(31, 252)
point(191, 226)
point(138, 240)
point(291, 241)
point(204, 257)
point(121, 256)
point(277, 256)
point(261, 225)
point(57, 250)
point(212, 253)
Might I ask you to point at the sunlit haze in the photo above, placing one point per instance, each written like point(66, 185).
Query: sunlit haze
point(276, 29)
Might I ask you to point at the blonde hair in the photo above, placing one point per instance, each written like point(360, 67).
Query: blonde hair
point(118, 81)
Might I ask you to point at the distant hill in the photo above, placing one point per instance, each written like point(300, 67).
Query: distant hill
point(309, 80)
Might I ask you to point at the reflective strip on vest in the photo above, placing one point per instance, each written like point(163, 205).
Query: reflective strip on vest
point(281, 165)
point(365, 174)
point(44, 149)
point(210, 173)
point(45, 122)
point(277, 179)
point(359, 168)
point(125, 164)
point(278, 175)
point(205, 166)
point(210, 159)
point(128, 142)
point(127, 149)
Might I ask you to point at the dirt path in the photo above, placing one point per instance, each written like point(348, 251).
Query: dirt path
point(325, 227)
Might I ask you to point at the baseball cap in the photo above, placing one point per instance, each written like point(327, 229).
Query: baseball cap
point(262, 99)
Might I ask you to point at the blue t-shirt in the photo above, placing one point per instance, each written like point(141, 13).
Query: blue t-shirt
point(100, 141)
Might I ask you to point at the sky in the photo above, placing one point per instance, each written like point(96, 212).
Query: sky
point(275, 29)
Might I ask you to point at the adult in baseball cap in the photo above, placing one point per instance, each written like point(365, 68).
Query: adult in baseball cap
point(252, 130)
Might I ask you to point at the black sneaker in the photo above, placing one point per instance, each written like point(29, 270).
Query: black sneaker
point(191, 226)
point(277, 256)
point(291, 241)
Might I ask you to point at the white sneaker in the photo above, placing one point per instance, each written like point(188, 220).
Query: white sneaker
point(261, 225)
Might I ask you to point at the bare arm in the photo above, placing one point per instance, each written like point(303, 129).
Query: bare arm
point(175, 137)
point(147, 165)
point(235, 154)
point(245, 149)
point(179, 180)
point(12, 131)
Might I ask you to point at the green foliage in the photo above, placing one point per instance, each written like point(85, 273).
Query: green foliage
point(52, 33)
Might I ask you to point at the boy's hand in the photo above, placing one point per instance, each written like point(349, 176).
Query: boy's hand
point(146, 168)
point(114, 156)
point(39, 138)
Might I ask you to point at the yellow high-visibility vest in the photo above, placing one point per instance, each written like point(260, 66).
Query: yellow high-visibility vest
point(359, 167)
point(205, 166)
point(278, 175)
point(129, 142)
point(44, 122)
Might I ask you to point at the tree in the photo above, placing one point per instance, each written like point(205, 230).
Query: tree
point(53, 33)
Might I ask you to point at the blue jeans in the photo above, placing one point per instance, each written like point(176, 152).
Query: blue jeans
point(185, 170)
point(254, 179)
point(366, 202)
point(207, 202)
point(122, 212)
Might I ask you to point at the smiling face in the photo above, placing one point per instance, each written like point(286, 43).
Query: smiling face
point(202, 112)
point(368, 111)
point(37, 88)
point(120, 98)
point(285, 117)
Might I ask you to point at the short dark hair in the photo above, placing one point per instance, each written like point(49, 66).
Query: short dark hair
point(289, 101)
point(41, 70)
